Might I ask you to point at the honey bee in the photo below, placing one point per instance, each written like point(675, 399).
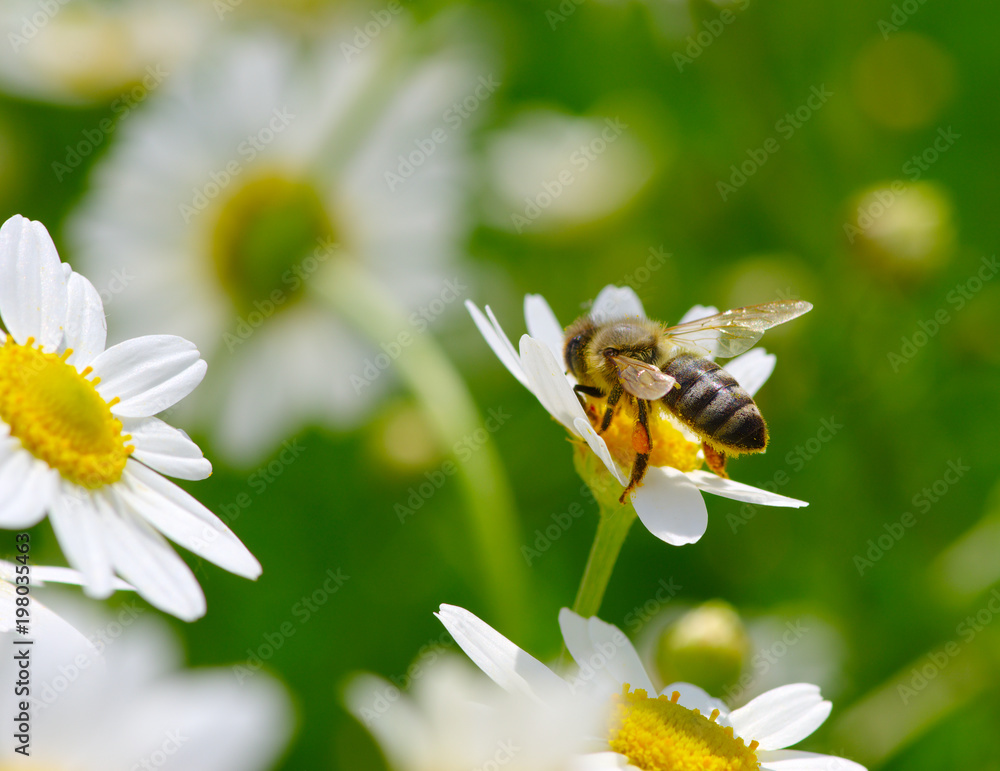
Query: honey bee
point(639, 364)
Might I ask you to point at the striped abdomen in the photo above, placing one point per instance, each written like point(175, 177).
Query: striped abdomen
point(710, 401)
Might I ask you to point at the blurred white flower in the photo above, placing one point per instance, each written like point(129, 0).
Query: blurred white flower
point(552, 170)
point(41, 622)
point(669, 501)
point(88, 50)
point(453, 719)
point(244, 180)
point(677, 729)
point(133, 706)
point(78, 440)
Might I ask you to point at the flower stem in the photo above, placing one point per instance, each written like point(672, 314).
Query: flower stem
point(433, 380)
point(612, 528)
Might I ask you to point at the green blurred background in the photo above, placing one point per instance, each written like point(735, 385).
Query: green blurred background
point(894, 85)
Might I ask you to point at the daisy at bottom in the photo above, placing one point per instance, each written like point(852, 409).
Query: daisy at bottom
point(680, 728)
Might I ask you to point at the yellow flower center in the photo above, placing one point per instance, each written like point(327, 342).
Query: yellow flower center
point(661, 735)
point(668, 446)
point(266, 240)
point(59, 417)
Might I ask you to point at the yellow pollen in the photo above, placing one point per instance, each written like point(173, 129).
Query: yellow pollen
point(669, 445)
point(59, 417)
point(658, 734)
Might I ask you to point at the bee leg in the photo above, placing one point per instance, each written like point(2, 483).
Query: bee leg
point(642, 444)
point(715, 459)
point(609, 411)
point(589, 391)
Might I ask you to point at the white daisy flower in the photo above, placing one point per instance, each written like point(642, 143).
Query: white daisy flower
point(669, 501)
point(87, 50)
point(452, 718)
point(676, 729)
point(133, 706)
point(78, 440)
point(258, 172)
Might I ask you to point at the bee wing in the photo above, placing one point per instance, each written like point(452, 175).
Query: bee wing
point(642, 380)
point(733, 332)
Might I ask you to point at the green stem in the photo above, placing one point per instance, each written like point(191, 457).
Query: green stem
point(432, 379)
point(612, 529)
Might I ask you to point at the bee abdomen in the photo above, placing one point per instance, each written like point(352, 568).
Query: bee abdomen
point(709, 400)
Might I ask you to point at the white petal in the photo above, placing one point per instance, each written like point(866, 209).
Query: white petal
point(506, 664)
point(543, 325)
point(86, 327)
point(600, 448)
point(77, 526)
point(32, 283)
point(670, 506)
point(186, 521)
point(728, 488)
point(605, 649)
point(149, 374)
point(693, 697)
point(44, 574)
point(698, 312)
point(549, 384)
point(614, 302)
point(27, 488)
point(598, 761)
point(497, 340)
point(782, 716)
point(795, 760)
point(144, 559)
point(752, 369)
point(166, 449)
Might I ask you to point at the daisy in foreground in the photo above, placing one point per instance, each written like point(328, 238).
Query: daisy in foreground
point(79, 442)
point(680, 728)
point(668, 502)
point(134, 706)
